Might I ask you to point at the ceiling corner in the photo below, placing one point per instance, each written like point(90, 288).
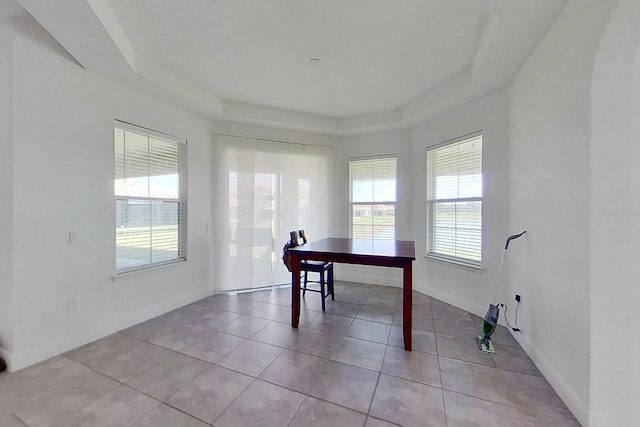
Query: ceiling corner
point(77, 27)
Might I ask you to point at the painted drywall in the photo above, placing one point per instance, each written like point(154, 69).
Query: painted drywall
point(6, 190)
point(615, 221)
point(59, 155)
point(467, 288)
point(385, 143)
point(549, 174)
point(63, 293)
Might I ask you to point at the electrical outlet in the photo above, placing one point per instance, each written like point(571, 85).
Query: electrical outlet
point(518, 298)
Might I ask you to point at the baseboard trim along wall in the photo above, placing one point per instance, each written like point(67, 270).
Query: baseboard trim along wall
point(478, 310)
point(566, 393)
point(23, 359)
point(372, 275)
point(557, 381)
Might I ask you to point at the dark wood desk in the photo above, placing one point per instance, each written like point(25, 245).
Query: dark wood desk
point(386, 253)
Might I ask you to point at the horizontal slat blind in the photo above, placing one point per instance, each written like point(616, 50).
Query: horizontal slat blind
point(455, 170)
point(373, 198)
point(374, 180)
point(454, 201)
point(150, 194)
point(373, 221)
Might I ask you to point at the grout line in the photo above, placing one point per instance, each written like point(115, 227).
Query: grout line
point(183, 412)
point(307, 396)
point(20, 420)
point(146, 413)
point(481, 398)
point(375, 389)
point(318, 377)
point(234, 400)
point(444, 406)
point(298, 410)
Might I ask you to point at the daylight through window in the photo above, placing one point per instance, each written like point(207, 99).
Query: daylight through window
point(373, 198)
point(150, 197)
point(454, 200)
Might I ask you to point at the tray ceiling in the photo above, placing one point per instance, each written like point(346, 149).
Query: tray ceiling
point(331, 66)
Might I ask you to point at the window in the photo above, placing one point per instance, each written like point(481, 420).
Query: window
point(454, 200)
point(150, 195)
point(373, 198)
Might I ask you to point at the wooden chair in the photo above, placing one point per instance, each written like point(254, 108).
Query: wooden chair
point(298, 237)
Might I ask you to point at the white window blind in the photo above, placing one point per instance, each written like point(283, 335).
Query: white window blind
point(373, 198)
point(454, 200)
point(265, 189)
point(150, 196)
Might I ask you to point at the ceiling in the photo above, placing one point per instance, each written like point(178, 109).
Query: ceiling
point(381, 63)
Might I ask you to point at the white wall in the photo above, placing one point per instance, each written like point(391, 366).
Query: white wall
point(550, 197)
point(615, 225)
point(467, 288)
point(57, 151)
point(63, 179)
point(385, 143)
point(6, 190)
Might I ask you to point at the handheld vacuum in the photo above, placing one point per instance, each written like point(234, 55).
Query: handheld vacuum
point(493, 313)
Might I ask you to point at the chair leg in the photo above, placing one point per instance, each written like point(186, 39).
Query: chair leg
point(304, 288)
point(331, 289)
point(322, 292)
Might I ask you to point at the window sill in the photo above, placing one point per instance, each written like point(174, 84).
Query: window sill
point(135, 272)
point(454, 263)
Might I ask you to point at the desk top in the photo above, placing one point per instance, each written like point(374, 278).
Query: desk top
point(404, 249)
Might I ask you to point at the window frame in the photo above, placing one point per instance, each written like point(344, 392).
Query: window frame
point(373, 203)
point(181, 200)
point(430, 205)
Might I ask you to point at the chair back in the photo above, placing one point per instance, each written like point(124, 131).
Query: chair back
point(297, 238)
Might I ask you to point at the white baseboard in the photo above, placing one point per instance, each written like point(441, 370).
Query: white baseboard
point(371, 280)
point(595, 419)
point(471, 307)
point(23, 359)
point(557, 381)
point(373, 275)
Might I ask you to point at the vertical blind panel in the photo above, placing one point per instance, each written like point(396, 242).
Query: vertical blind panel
point(314, 212)
point(150, 204)
point(265, 190)
point(374, 180)
point(455, 171)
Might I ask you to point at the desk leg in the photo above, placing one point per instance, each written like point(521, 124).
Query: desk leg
point(407, 301)
point(295, 290)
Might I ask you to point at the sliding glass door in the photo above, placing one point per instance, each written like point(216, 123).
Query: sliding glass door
point(264, 190)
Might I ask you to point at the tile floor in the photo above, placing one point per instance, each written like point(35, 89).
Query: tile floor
point(235, 361)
